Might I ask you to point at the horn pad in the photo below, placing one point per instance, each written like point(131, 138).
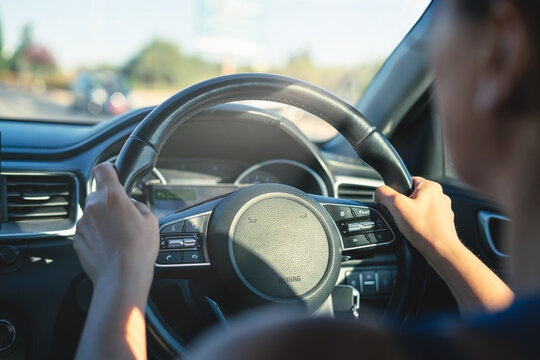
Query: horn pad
point(276, 243)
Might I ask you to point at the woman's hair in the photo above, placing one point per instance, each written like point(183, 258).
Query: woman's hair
point(530, 10)
point(475, 8)
point(481, 8)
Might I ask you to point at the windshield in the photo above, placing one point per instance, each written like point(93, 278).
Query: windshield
point(65, 60)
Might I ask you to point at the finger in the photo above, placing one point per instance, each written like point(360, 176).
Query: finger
point(417, 180)
point(105, 176)
point(143, 209)
point(419, 184)
point(389, 198)
point(92, 198)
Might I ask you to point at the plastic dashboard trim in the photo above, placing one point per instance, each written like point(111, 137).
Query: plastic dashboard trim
point(65, 232)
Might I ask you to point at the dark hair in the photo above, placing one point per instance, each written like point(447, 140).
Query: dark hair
point(475, 8)
point(530, 10)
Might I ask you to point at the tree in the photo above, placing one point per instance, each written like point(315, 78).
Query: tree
point(156, 64)
point(39, 59)
point(17, 63)
point(1, 39)
point(161, 64)
point(3, 63)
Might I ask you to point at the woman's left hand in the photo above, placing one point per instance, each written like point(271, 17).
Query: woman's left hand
point(117, 236)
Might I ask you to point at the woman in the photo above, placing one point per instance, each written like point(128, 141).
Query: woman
point(485, 57)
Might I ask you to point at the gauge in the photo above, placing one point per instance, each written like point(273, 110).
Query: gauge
point(258, 177)
point(154, 177)
point(284, 171)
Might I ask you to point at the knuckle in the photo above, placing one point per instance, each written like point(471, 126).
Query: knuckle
point(435, 186)
point(91, 207)
point(99, 168)
point(395, 200)
point(115, 196)
point(90, 198)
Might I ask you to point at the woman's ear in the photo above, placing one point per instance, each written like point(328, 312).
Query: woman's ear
point(505, 62)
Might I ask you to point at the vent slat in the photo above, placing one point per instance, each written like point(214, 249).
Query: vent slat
point(53, 201)
point(37, 183)
point(38, 197)
point(39, 213)
point(355, 192)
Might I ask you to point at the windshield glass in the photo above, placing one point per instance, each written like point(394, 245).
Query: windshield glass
point(65, 60)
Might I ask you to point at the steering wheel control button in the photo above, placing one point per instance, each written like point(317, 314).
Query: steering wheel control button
point(368, 225)
point(339, 212)
point(183, 241)
point(380, 237)
point(352, 227)
point(169, 257)
point(360, 212)
point(193, 257)
point(190, 242)
point(194, 225)
point(355, 241)
point(175, 243)
point(173, 228)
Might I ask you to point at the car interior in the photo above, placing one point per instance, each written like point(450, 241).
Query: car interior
point(202, 161)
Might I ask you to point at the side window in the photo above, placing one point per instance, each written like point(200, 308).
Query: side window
point(418, 139)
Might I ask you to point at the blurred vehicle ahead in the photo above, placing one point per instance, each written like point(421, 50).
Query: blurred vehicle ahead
point(100, 92)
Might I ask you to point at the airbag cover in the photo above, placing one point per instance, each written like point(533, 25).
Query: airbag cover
point(279, 248)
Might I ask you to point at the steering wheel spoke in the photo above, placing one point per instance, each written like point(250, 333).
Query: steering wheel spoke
point(361, 226)
point(183, 238)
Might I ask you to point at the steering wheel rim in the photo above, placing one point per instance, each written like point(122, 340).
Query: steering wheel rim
point(140, 152)
point(142, 148)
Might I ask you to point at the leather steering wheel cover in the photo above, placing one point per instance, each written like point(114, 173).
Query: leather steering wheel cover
point(141, 151)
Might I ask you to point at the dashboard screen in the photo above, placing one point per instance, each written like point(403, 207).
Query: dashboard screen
point(166, 199)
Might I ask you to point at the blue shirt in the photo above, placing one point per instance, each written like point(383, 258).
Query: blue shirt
point(510, 334)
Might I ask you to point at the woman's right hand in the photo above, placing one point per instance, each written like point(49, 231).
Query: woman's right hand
point(425, 218)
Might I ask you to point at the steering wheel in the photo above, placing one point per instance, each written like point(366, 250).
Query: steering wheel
point(271, 243)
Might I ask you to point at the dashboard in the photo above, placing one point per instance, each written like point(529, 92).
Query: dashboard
point(168, 190)
point(47, 174)
point(224, 151)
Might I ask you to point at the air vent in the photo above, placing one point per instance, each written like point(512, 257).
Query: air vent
point(356, 192)
point(39, 197)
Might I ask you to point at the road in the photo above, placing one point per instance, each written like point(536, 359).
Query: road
point(19, 104)
point(56, 106)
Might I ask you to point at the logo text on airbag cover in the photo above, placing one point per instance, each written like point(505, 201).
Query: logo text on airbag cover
point(289, 279)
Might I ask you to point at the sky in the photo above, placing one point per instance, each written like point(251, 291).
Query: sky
point(93, 32)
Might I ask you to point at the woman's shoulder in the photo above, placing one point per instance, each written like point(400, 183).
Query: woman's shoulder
point(513, 333)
